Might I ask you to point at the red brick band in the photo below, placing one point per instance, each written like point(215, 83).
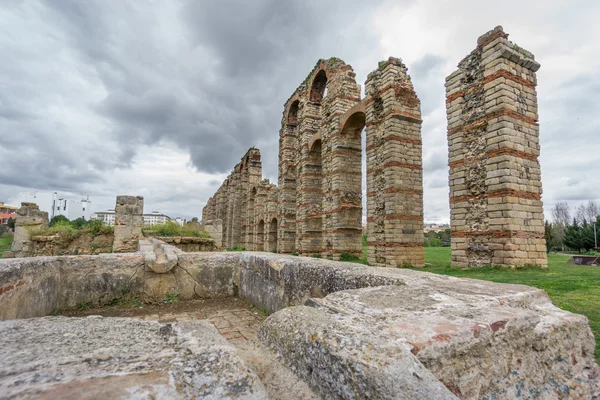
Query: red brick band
point(497, 153)
point(395, 164)
point(499, 74)
point(487, 117)
point(521, 194)
point(499, 234)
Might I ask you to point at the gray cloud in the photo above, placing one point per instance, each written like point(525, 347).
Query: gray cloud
point(89, 87)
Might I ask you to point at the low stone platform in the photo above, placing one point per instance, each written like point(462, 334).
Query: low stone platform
point(347, 330)
point(95, 357)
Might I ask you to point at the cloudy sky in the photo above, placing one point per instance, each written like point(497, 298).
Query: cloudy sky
point(161, 98)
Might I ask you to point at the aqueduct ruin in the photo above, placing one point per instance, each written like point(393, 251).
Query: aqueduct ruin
point(317, 206)
point(336, 330)
point(316, 209)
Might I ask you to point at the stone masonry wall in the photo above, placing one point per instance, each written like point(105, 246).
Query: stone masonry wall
point(317, 207)
point(129, 222)
point(394, 168)
point(493, 138)
point(28, 216)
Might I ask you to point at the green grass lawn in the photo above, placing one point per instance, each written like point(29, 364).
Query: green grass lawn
point(5, 242)
point(572, 288)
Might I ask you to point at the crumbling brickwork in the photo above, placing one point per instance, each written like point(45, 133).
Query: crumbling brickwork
point(316, 209)
point(28, 216)
point(493, 137)
point(129, 222)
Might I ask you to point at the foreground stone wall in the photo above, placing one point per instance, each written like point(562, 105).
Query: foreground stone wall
point(493, 137)
point(382, 332)
point(118, 358)
point(316, 209)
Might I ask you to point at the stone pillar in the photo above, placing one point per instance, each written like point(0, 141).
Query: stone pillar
point(129, 221)
point(288, 152)
point(496, 210)
point(309, 190)
point(28, 216)
point(394, 168)
point(342, 177)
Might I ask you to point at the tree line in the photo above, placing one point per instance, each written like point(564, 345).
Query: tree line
point(574, 232)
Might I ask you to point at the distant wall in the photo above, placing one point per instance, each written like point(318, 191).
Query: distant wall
point(83, 244)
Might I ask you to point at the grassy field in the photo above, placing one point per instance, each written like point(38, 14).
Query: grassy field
point(5, 242)
point(572, 288)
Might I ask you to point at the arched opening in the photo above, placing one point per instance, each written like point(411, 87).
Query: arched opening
point(250, 221)
point(352, 218)
point(318, 88)
point(313, 200)
point(260, 236)
point(273, 235)
point(287, 236)
point(293, 113)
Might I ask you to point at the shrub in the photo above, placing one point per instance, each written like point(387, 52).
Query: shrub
point(58, 219)
point(171, 297)
point(174, 229)
point(236, 248)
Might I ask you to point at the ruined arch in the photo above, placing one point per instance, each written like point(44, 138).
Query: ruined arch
point(272, 241)
point(318, 87)
point(251, 220)
point(292, 116)
point(260, 236)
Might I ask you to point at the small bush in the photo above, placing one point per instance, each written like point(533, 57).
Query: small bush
point(236, 248)
point(174, 229)
point(57, 219)
point(171, 297)
point(349, 257)
point(317, 256)
point(295, 253)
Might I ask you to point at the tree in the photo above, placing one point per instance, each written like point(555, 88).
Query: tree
point(591, 211)
point(11, 223)
point(573, 236)
point(561, 215)
point(79, 223)
point(58, 219)
point(581, 213)
point(549, 234)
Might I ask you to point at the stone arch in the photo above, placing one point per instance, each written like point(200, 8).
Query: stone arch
point(260, 236)
point(313, 200)
point(250, 220)
point(318, 87)
point(354, 119)
point(313, 141)
point(273, 235)
point(292, 115)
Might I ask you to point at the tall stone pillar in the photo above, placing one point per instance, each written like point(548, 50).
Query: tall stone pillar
point(129, 221)
point(394, 168)
point(493, 138)
point(28, 216)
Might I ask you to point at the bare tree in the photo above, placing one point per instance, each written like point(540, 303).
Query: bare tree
point(591, 211)
point(581, 213)
point(561, 214)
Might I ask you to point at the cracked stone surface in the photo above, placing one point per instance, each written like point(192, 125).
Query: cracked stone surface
point(59, 357)
point(238, 322)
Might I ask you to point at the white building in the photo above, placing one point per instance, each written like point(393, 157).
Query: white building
point(154, 218)
point(107, 217)
point(55, 203)
point(180, 221)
